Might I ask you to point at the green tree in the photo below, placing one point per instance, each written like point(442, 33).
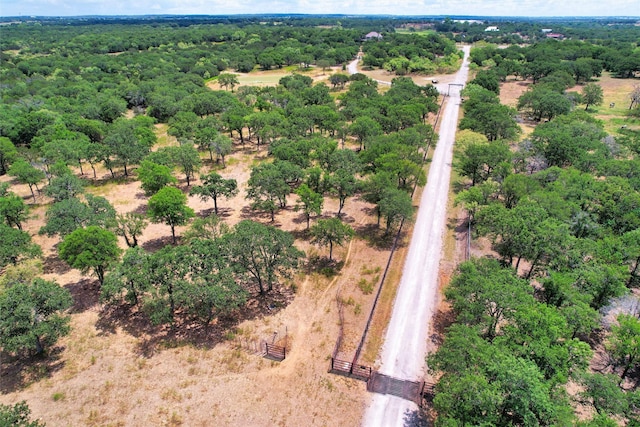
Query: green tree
point(65, 216)
point(154, 177)
point(331, 232)
point(374, 188)
point(25, 173)
point(167, 274)
point(212, 289)
point(215, 142)
point(310, 202)
point(268, 188)
point(187, 157)
point(602, 391)
point(214, 186)
point(90, 249)
point(624, 343)
point(479, 161)
point(262, 252)
point(169, 205)
point(8, 154)
point(343, 184)
point(31, 315)
point(396, 206)
point(16, 244)
point(13, 210)
point(131, 275)
point(208, 228)
point(64, 187)
point(592, 94)
point(128, 143)
point(364, 128)
point(485, 294)
point(228, 80)
point(17, 416)
point(543, 103)
point(130, 226)
point(338, 79)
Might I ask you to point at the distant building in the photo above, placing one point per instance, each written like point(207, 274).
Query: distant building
point(373, 35)
point(546, 30)
point(492, 28)
point(469, 21)
point(555, 36)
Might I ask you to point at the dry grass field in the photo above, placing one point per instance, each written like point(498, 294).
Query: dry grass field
point(116, 369)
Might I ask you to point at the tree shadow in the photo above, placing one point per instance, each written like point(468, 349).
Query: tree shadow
point(187, 330)
point(303, 234)
point(460, 185)
point(416, 418)
point(141, 209)
point(222, 212)
point(85, 293)
point(442, 320)
point(323, 265)
point(376, 236)
point(54, 265)
point(20, 372)
point(263, 216)
point(154, 245)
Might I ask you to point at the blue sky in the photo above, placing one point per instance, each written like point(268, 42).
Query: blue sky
point(363, 7)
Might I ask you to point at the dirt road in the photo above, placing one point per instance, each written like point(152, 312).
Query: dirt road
point(352, 68)
point(405, 344)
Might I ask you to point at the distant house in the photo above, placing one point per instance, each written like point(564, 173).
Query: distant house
point(492, 28)
point(373, 35)
point(546, 30)
point(555, 36)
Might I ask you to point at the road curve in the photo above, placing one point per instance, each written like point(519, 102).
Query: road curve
point(352, 68)
point(405, 343)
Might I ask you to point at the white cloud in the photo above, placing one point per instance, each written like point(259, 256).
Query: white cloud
point(398, 7)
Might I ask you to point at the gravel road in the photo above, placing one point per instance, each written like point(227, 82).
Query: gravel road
point(405, 344)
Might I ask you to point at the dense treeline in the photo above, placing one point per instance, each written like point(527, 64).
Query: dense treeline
point(555, 59)
point(561, 211)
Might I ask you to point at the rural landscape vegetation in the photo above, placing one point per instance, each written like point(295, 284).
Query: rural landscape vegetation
point(177, 192)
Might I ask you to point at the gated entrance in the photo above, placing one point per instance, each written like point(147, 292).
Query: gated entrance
point(384, 384)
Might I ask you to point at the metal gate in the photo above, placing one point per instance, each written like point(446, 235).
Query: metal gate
point(384, 384)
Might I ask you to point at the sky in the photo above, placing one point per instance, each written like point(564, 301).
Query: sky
point(356, 7)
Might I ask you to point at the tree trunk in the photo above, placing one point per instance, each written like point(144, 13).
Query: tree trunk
point(81, 171)
point(223, 163)
point(173, 233)
point(330, 250)
point(94, 170)
point(39, 347)
point(126, 239)
point(215, 204)
point(308, 218)
point(32, 193)
point(135, 240)
point(533, 266)
point(633, 272)
point(100, 274)
point(126, 172)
